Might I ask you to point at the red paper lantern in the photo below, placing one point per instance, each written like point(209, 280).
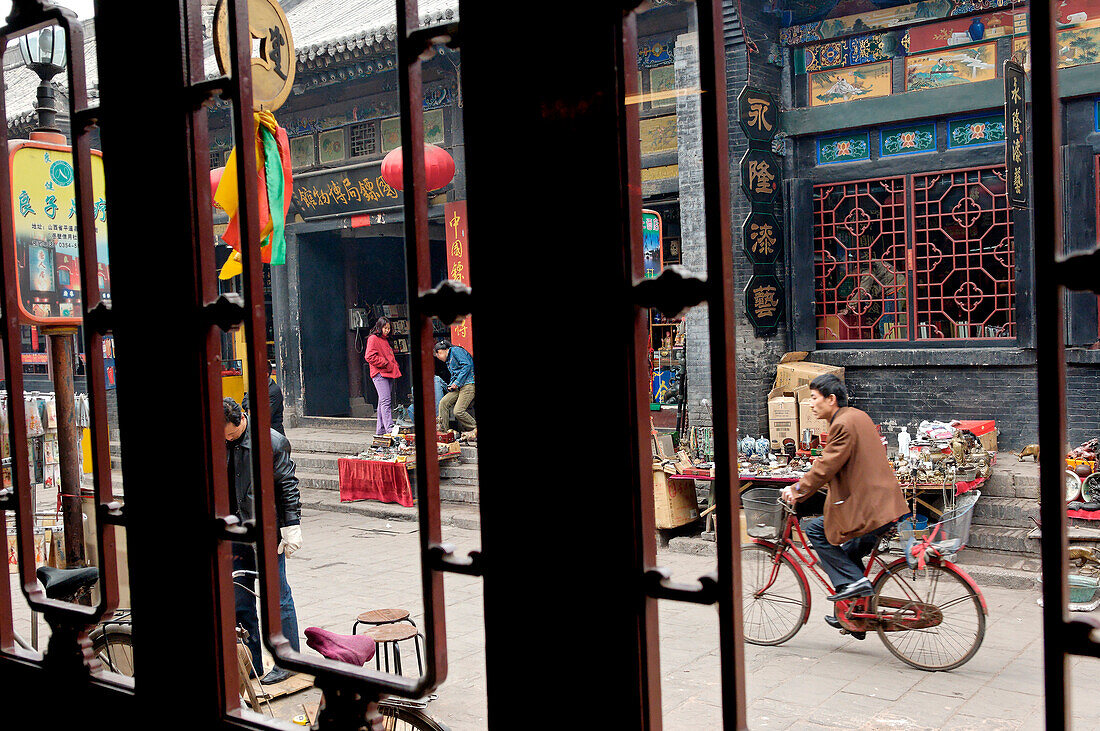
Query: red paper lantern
point(439, 168)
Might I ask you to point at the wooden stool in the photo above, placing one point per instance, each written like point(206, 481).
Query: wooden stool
point(387, 637)
point(381, 616)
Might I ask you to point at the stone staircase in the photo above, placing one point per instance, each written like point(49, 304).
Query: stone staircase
point(317, 444)
point(1009, 502)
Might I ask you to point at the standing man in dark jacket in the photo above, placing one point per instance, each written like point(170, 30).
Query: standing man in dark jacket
point(275, 399)
point(238, 447)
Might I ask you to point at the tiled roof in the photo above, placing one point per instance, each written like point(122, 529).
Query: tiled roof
point(320, 27)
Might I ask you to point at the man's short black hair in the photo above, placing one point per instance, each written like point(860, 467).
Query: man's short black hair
point(232, 411)
point(442, 345)
point(829, 385)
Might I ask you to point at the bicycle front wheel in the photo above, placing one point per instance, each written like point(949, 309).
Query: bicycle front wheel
point(930, 618)
point(774, 597)
point(404, 718)
point(114, 647)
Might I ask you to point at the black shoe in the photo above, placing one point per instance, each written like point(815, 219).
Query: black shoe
point(859, 588)
point(277, 675)
point(835, 623)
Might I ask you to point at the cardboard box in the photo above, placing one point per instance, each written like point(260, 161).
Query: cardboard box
point(794, 371)
point(675, 502)
point(806, 418)
point(782, 418)
point(985, 430)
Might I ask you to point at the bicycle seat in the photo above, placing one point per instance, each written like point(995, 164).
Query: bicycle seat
point(354, 649)
point(61, 583)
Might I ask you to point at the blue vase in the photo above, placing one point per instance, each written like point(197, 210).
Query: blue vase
point(763, 447)
point(977, 29)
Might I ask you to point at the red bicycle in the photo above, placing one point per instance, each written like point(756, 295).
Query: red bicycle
point(930, 615)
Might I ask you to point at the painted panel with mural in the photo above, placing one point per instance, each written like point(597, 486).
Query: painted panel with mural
point(843, 148)
point(816, 20)
point(658, 134)
point(1079, 45)
point(844, 85)
point(908, 140)
point(986, 130)
point(951, 66)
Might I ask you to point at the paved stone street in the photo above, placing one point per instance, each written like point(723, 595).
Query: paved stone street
point(820, 679)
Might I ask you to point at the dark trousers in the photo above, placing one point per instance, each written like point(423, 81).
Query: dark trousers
point(843, 563)
point(245, 604)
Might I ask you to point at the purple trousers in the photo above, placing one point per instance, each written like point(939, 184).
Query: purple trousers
point(384, 420)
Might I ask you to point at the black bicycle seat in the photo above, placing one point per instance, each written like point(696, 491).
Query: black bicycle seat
point(60, 583)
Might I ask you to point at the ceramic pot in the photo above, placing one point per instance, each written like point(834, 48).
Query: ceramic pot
point(977, 29)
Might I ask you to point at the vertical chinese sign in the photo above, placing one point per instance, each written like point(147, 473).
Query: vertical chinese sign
point(761, 235)
point(458, 265)
point(652, 231)
point(1015, 135)
point(44, 204)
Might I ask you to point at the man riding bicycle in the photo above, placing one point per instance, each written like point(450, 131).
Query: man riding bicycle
point(864, 499)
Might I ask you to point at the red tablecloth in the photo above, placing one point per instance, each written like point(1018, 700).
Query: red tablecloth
point(1084, 514)
point(364, 479)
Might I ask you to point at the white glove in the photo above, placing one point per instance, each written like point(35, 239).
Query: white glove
point(291, 539)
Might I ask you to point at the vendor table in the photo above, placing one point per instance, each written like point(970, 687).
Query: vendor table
point(372, 479)
point(747, 482)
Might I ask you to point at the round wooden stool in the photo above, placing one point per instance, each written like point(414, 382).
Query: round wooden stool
point(382, 616)
point(388, 637)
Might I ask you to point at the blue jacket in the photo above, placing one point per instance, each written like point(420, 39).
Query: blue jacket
point(460, 364)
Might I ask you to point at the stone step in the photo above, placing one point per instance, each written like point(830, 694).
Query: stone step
point(458, 473)
point(1008, 512)
point(337, 423)
point(317, 480)
point(1000, 538)
point(319, 462)
point(987, 568)
point(455, 515)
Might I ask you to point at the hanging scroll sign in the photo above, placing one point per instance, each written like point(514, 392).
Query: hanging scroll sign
point(1016, 135)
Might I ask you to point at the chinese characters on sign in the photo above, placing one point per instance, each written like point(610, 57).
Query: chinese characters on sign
point(760, 176)
point(652, 229)
point(761, 235)
point(758, 116)
point(48, 279)
point(764, 303)
point(458, 265)
point(761, 238)
point(346, 192)
point(1015, 135)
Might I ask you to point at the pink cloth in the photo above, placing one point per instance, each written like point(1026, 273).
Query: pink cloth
point(354, 649)
point(961, 487)
point(365, 479)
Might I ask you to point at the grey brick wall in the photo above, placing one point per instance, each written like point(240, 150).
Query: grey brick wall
point(756, 357)
point(896, 397)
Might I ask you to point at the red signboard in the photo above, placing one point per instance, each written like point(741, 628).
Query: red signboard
point(458, 265)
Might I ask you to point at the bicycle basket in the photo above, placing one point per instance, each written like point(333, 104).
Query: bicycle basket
point(950, 535)
point(764, 516)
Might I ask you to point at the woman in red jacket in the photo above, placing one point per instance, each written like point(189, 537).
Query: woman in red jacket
point(383, 371)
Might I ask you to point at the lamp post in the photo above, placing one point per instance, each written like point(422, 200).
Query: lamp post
point(43, 52)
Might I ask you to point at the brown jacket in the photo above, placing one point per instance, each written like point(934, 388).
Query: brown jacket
point(863, 492)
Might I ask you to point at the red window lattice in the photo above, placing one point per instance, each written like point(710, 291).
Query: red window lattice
point(965, 267)
point(860, 260)
point(949, 275)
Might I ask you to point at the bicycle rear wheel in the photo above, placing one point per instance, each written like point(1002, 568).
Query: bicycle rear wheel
point(114, 647)
point(405, 718)
point(774, 597)
point(929, 618)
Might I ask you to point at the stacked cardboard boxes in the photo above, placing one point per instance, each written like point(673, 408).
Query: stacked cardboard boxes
point(789, 400)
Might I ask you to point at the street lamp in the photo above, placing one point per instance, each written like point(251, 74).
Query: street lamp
point(43, 52)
